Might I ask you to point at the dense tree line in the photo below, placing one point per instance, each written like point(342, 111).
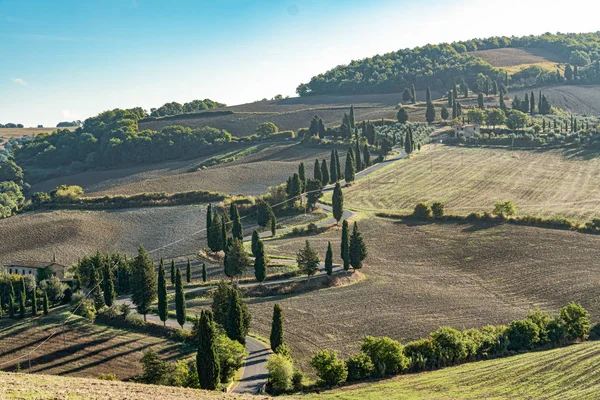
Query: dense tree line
point(175, 108)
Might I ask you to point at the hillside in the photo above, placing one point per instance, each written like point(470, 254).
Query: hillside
point(515, 59)
point(579, 99)
point(25, 386)
point(565, 373)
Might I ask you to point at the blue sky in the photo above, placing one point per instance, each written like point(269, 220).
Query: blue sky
point(67, 59)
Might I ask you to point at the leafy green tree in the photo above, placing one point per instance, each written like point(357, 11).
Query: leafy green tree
point(295, 187)
point(449, 345)
point(236, 223)
point(437, 210)
point(430, 113)
point(207, 360)
point(360, 367)
point(280, 373)
point(172, 272)
point(237, 260)
point(402, 115)
point(476, 116)
point(188, 272)
point(276, 338)
point(576, 321)
point(329, 368)
point(260, 262)
point(407, 95)
point(180, 308)
point(308, 260)
point(387, 355)
point(345, 245)
point(163, 306)
point(444, 113)
point(317, 171)
point(264, 213)
point(517, 120)
point(568, 72)
point(108, 285)
point(203, 272)
point(350, 166)
point(358, 248)
point(351, 119)
point(314, 191)
point(504, 209)
point(266, 129)
point(324, 173)
point(254, 243)
point(496, 117)
point(522, 335)
point(144, 284)
point(333, 172)
point(329, 260)
point(337, 202)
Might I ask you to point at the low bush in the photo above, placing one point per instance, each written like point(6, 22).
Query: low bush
point(422, 211)
point(135, 320)
point(387, 355)
point(330, 370)
point(522, 335)
point(280, 374)
point(360, 366)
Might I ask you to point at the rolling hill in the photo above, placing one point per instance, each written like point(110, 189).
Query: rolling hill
point(515, 59)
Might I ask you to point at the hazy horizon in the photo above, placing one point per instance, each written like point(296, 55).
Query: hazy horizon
point(72, 60)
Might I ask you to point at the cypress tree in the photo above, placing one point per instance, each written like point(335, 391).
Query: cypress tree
point(532, 104)
point(428, 95)
point(302, 176)
point(350, 167)
point(408, 142)
point(276, 338)
point(324, 173)
point(34, 308)
point(337, 166)
point(163, 311)
point(235, 327)
point(224, 236)
point(273, 225)
point(430, 113)
point(214, 234)
point(494, 88)
point(209, 217)
point(414, 94)
point(525, 104)
point(295, 187)
point(255, 240)
point(358, 158)
point(207, 360)
point(329, 260)
point(366, 156)
point(480, 101)
point(45, 304)
point(333, 173)
point(502, 104)
point(144, 283)
point(22, 298)
point(454, 95)
point(203, 272)
point(351, 119)
point(188, 272)
point(317, 172)
point(180, 299)
point(108, 285)
point(337, 201)
point(465, 90)
point(450, 99)
point(11, 305)
point(260, 264)
point(236, 227)
point(172, 272)
point(358, 249)
point(345, 245)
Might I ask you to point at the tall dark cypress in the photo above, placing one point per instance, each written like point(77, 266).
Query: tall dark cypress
point(172, 272)
point(45, 303)
point(333, 172)
point(324, 173)
point(357, 156)
point(337, 166)
point(302, 176)
point(414, 94)
point(215, 241)
point(34, 307)
point(188, 272)
point(358, 249)
point(337, 201)
point(180, 299)
point(207, 360)
point(532, 103)
point(255, 240)
point(277, 338)
point(317, 172)
point(428, 95)
point(11, 302)
point(345, 245)
point(224, 236)
point(260, 264)
point(235, 327)
point(209, 217)
point(163, 311)
point(366, 156)
point(203, 272)
point(22, 299)
point(108, 285)
point(350, 166)
point(236, 223)
point(329, 260)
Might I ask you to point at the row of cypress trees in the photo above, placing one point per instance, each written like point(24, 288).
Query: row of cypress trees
point(22, 301)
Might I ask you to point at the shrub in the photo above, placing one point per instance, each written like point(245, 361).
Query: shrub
point(135, 320)
point(494, 341)
point(266, 129)
point(231, 356)
point(284, 350)
point(449, 345)
point(125, 309)
point(109, 312)
point(182, 335)
point(108, 377)
point(422, 211)
point(437, 210)
point(281, 371)
point(504, 209)
point(156, 371)
point(522, 335)
point(387, 355)
point(330, 369)
point(297, 380)
point(595, 332)
point(473, 338)
point(421, 353)
point(555, 331)
point(87, 310)
point(576, 321)
point(541, 319)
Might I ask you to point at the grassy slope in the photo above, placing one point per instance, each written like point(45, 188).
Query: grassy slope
point(422, 276)
point(472, 179)
point(90, 350)
point(565, 373)
point(23, 386)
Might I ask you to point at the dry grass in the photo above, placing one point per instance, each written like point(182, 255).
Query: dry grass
point(472, 179)
point(90, 350)
point(423, 276)
point(518, 57)
point(23, 386)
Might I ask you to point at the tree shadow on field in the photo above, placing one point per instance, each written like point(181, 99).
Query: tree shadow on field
point(470, 226)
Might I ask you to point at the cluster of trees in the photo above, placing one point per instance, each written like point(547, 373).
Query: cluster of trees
point(438, 66)
point(22, 295)
point(407, 135)
point(112, 139)
point(11, 125)
point(12, 182)
point(68, 124)
point(175, 108)
point(529, 105)
point(382, 356)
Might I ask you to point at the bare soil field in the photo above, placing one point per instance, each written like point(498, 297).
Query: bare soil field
point(582, 100)
point(90, 350)
point(296, 113)
point(542, 183)
point(514, 59)
point(423, 276)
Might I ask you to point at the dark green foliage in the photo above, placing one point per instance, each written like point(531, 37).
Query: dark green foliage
point(34, 307)
point(22, 301)
point(108, 285)
point(237, 260)
point(522, 335)
point(428, 95)
point(350, 168)
point(366, 156)
point(172, 272)
point(215, 234)
point(188, 272)
point(386, 354)
point(360, 367)
point(329, 368)
point(180, 308)
point(302, 175)
point(409, 143)
point(209, 216)
point(273, 225)
point(345, 245)
point(254, 243)
point(444, 113)
point(203, 272)
point(207, 360)
point(333, 172)
point(407, 95)
point(414, 94)
point(576, 321)
point(308, 260)
point(221, 306)
point(194, 106)
point(276, 338)
point(294, 188)
point(402, 115)
point(422, 211)
point(235, 327)
point(480, 101)
point(314, 191)
point(260, 263)
point(45, 304)
point(144, 284)
point(317, 174)
point(437, 210)
point(329, 260)
point(337, 167)
point(358, 158)
point(337, 202)
point(324, 173)
point(358, 248)
point(430, 113)
point(163, 306)
point(236, 224)
point(264, 213)
point(11, 305)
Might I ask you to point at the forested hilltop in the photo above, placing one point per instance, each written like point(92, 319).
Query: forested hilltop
point(438, 66)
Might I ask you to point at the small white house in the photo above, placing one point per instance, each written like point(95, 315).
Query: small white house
point(467, 130)
point(24, 268)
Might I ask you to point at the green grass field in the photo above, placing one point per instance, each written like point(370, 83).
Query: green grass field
point(468, 180)
point(565, 373)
